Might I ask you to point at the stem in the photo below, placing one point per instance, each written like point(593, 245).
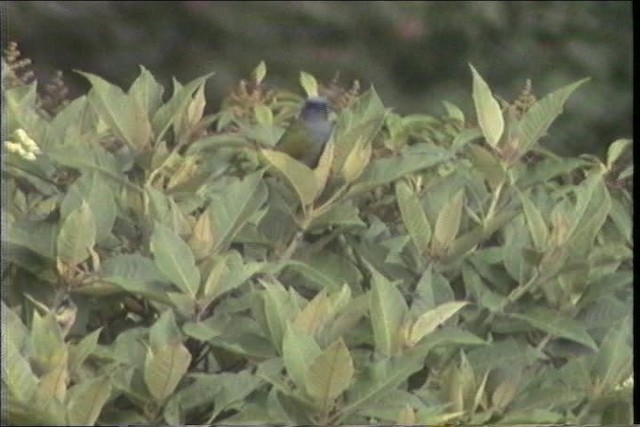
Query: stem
point(494, 202)
point(520, 290)
point(292, 246)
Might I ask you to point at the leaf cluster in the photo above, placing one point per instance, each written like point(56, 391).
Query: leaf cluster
point(428, 269)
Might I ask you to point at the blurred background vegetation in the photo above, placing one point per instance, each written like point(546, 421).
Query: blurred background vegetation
point(415, 53)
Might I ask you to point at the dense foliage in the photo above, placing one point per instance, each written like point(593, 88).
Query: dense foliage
point(165, 266)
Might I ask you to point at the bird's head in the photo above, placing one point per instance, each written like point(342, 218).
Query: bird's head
point(315, 108)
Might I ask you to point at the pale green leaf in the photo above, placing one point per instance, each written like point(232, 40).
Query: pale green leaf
point(82, 350)
point(448, 222)
point(357, 160)
point(299, 349)
point(164, 368)
point(385, 170)
point(379, 378)
point(429, 321)
point(125, 116)
point(537, 227)
point(309, 84)
point(413, 216)
point(488, 110)
point(330, 374)
point(147, 91)
point(298, 175)
point(557, 325)
point(176, 106)
point(387, 309)
point(536, 121)
point(453, 111)
point(614, 361)
point(264, 115)
point(315, 314)
point(86, 400)
point(77, 235)
point(175, 259)
point(234, 206)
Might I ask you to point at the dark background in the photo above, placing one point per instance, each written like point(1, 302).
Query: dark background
point(415, 53)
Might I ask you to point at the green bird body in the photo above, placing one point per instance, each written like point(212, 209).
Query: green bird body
point(306, 137)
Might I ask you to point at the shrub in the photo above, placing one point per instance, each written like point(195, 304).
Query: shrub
point(162, 266)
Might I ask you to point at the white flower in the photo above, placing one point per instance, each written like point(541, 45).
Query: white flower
point(13, 147)
point(27, 142)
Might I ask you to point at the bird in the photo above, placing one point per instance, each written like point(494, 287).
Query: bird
point(65, 311)
point(306, 137)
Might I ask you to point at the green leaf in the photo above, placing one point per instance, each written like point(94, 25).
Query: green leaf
point(614, 361)
point(217, 141)
point(431, 290)
point(95, 191)
point(598, 205)
point(207, 329)
point(387, 309)
point(358, 124)
point(297, 174)
point(509, 353)
point(77, 235)
point(469, 240)
point(556, 325)
point(309, 84)
point(380, 378)
point(278, 312)
point(537, 227)
point(37, 236)
point(147, 91)
point(234, 388)
point(131, 266)
point(413, 216)
point(385, 170)
point(464, 137)
point(488, 110)
point(47, 342)
point(341, 215)
point(81, 351)
point(13, 326)
point(453, 111)
point(174, 258)
point(487, 164)
point(536, 121)
point(86, 400)
point(480, 292)
point(357, 160)
point(85, 157)
point(299, 349)
point(616, 149)
point(164, 368)
point(264, 115)
point(620, 214)
point(330, 374)
point(214, 283)
point(448, 222)
point(234, 206)
point(429, 321)
point(125, 116)
point(176, 107)
point(165, 331)
point(17, 376)
point(314, 316)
